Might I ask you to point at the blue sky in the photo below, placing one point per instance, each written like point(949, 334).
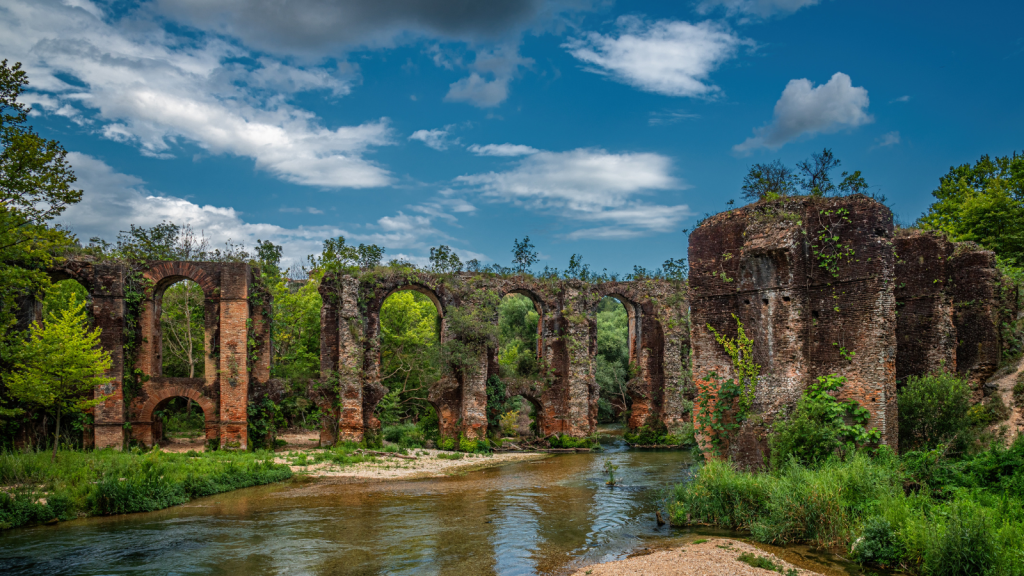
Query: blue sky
point(595, 127)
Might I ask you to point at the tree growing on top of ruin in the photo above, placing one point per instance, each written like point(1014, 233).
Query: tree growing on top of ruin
point(444, 261)
point(523, 255)
point(812, 177)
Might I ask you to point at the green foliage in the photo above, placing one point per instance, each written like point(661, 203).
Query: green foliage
point(934, 410)
point(723, 405)
point(768, 181)
point(265, 419)
point(922, 513)
point(523, 255)
point(444, 261)
point(610, 468)
point(109, 482)
point(566, 441)
point(405, 435)
point(453, 456)
point(62, 295)
point(337, 256)
point(517, 336)
point(184, 330)
point(409, 355)
point(35, 187)
point(446, 443)
point(818, 427)
point(880, 545)
point(498, 402)
point(612, 370)
point(759, 562)
point(983, 203)
point(60, 365)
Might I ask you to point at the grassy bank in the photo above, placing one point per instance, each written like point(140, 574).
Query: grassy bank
point(36, 490)
point(920, 512)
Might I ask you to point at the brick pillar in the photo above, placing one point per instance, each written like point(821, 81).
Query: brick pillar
point(148, 359)
point(234, 374)
point(976, 305)
point(260, 313)
point(350, 361)
point(108, 417)
point(579, 373)
point(925, 333)
point(474, 399)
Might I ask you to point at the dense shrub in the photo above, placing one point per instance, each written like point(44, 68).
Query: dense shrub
point(108, 482)
point(934, 409)
point(405, 435)
point(923, 513)
point(566, 441)
point(817, 428)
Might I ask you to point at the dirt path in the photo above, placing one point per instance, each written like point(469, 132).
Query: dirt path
point(703, 557)
point(1004, 387)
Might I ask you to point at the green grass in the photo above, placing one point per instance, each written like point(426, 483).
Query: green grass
point(921, 513)
point(107, 482)
point(759, 562)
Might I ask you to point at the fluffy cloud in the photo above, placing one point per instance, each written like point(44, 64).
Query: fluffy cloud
point(502, 150)
point(436, 139)
point(113, 201)
point(589, 185)
point(500, 65)
point(806, 109)
point(668, 57)
point(754, 8)
point(142, 85)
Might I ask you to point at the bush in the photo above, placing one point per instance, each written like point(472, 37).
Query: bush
point(880, 544)
point(405, 435)
point(964, 546)
point(446, 443)
point(934, 410)
point(566, 441)
point(657, 435)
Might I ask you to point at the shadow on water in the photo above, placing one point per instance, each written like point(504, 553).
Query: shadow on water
point(541, 517)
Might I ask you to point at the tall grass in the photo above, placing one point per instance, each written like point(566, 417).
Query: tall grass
point(107, 482)
point(944, 517)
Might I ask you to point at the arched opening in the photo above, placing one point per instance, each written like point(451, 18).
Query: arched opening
point(181, 312)
point(615, 362)
point(519, 361)
point(62, 294)
point(295, 351)
point(179, 422)
point(410, 335)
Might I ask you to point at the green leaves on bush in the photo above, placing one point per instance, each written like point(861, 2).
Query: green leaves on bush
point(933, 410)
point(817, 428)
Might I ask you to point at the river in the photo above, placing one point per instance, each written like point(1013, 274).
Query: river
point(541, 517)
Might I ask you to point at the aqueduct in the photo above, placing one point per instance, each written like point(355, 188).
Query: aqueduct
point(823, 285)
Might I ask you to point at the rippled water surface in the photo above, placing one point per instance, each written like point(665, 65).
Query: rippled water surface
point(541, 517)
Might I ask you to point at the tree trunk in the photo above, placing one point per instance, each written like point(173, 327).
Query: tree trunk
point(56, 437)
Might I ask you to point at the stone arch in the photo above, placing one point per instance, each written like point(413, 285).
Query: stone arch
point(142, 416)
point(634, 312)
point(163, 275)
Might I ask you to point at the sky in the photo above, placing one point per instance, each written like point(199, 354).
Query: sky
point(594, 127)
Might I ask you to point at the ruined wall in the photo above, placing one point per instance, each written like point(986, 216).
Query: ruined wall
point(564, 393)
point(976, 302)
point(926, 337)
point(812, 282)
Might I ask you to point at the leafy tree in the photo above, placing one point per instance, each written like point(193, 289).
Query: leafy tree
point(409, 342)
point(612, 369)
point(61, 365)
point(517, 335)
point(523, 255)
point(35, 187)
point(577, 269)
point(369, 255)
point(268, 256)
point(934, 410)
point(444, 261)
point(184, 330)
point(61, 295)
point(983, 203)
point(337, 256)
point(769, 181)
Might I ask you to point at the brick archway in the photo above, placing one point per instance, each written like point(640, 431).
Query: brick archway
point(164, 274)
point(156, 394)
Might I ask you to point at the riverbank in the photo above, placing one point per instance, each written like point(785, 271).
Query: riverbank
point(702, 557)
point(375, 465)
point(35, 490)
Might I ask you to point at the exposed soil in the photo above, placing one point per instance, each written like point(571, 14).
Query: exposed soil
point(711, 557)
point(1004, 388)
point(425, 463)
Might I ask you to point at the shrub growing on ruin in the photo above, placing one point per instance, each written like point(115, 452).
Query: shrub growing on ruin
point(934, 410)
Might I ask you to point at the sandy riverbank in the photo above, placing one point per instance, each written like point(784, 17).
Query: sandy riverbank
point(425, 463)
point(703, 557)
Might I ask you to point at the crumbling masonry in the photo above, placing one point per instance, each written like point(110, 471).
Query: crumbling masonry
point(822, 286)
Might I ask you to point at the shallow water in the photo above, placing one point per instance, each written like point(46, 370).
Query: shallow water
point(540, 517)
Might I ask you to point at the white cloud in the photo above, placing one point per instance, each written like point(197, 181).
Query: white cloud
point(112, 201)
point(888, 139)
point(589, 185)
point(436, 139)
point(502, 150)
point(501, 64)
point(668, 57)
point(806, 109)
point(900, 99)
point(146, 86)
point(754, 8)
point(670, 117)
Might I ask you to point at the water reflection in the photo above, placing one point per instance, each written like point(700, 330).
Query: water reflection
point(529, 518)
